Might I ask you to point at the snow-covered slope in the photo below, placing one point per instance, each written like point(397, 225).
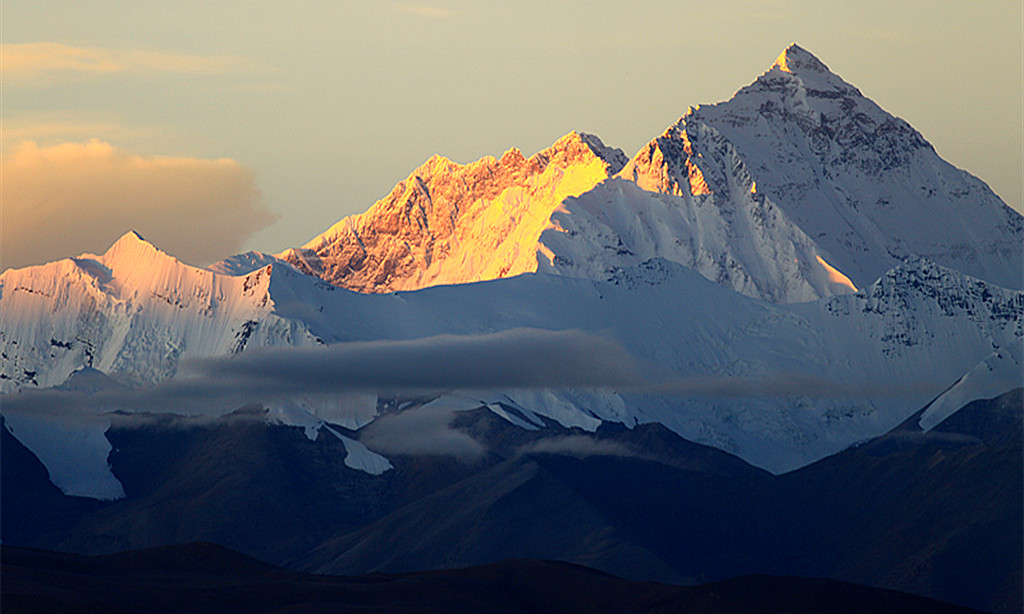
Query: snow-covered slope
point(740, 241)
point(133, 312)
point(449, 223)
point(72, 445)
point(866, 186)
point(709, 215)
point(1000, 366)
point(245, 263)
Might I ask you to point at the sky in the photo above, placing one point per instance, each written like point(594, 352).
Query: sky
point(218, 127)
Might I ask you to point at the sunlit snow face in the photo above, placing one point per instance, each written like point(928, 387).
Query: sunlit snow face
point(836, 277)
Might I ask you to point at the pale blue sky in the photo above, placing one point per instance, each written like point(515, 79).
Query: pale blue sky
point(329, 104)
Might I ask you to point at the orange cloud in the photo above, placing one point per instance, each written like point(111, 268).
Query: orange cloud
point(28, 61)
point(72, 198)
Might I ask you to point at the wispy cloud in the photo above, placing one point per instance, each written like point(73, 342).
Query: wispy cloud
point(32, 61)
point(517, 358)
point(432, 12)
point(422, 431)
point(522, 358)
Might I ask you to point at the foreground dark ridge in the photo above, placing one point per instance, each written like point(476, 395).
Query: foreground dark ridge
point(202, 577)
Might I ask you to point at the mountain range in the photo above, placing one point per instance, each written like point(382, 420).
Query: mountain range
point(797, 188)
point(783, 303)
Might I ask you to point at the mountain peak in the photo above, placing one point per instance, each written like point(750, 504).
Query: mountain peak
point(131, 244)
point(513, 155)
point(795, 59)
point(797, 71)
point(132, 255)
point(130, 238)
point(865, 184)
point(579, 146)
point(572, 139)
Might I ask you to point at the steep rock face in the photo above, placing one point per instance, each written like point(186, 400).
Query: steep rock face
point(866, 186)
point(450, 223)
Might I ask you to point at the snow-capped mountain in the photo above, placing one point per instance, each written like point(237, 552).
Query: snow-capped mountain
point(558, 212)
point(865, 185)
point(785, 276)
point(795, 189)
point(133, 312)
point(690, 257)
point(449, 223)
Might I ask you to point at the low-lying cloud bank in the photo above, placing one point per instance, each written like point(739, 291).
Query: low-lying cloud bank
point(422, 431)
point(518, 358)
point(71, 198)
point(523, 358)
point(331, 377)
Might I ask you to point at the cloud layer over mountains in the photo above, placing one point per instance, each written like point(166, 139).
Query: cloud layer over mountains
point(518, 358)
